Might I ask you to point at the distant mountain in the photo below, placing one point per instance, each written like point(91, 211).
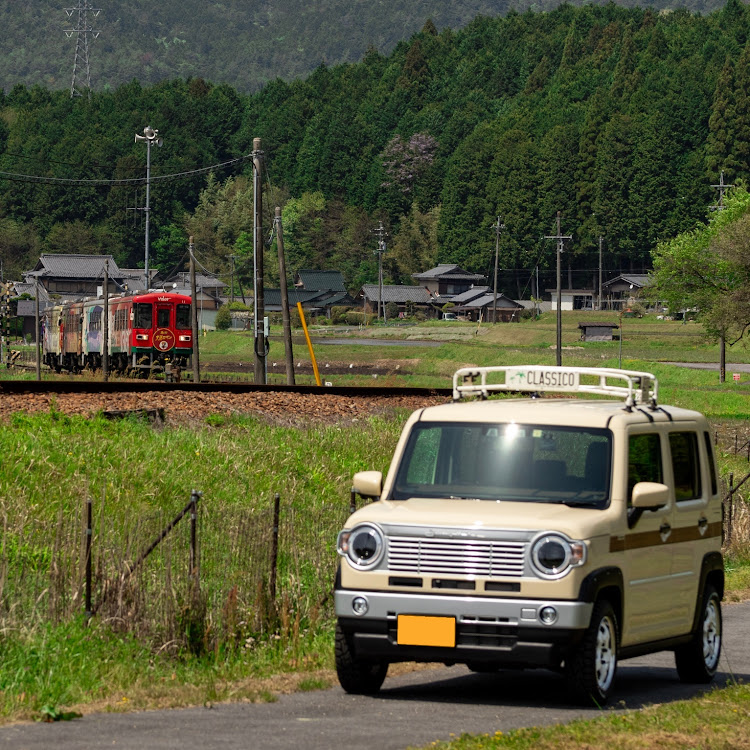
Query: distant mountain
point(239, 42)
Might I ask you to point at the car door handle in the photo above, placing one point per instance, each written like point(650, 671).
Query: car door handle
point(702, 523)
point(665, 530)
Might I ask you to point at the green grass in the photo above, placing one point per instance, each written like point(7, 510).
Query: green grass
point(139, 477)
point(718, 720)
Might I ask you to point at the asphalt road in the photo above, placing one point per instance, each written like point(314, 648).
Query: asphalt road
point(412, 709)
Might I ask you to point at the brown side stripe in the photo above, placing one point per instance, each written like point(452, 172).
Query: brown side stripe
point(653, 538)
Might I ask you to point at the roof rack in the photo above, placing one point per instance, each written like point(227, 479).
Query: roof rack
point(640, 388)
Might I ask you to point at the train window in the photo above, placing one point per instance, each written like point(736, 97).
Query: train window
point(162, 317)
point(183, 316)
point(144, 313)
point(95, 323)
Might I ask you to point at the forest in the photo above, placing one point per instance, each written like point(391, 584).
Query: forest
point(620, 118)
point(242, 43)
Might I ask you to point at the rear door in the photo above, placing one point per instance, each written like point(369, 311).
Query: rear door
point(649, 590)
point(694, 531)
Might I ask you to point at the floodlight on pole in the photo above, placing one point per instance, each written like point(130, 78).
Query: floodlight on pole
point(151, 138)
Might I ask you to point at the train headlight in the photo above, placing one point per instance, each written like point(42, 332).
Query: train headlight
point(363, 545)
point(553, 555)
point(185, 338)
point(141, 337)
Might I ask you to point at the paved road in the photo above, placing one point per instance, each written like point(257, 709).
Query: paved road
point(412, 709)
point(711, 366)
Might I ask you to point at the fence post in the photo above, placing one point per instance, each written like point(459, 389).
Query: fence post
point(735, 443)
point(731, 508)
point(88, 559)
point(274, 548)
point(194, 572)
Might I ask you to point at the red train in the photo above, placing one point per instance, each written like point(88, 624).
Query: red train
point(146, 332)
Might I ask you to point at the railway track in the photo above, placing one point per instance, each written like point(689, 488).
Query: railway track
point(191, 402)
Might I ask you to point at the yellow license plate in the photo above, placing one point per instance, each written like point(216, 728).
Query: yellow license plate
point(417, 630)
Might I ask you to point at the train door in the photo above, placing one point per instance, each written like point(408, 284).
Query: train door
point(164, 338)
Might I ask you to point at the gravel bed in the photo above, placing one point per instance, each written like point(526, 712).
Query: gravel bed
point(182, 407)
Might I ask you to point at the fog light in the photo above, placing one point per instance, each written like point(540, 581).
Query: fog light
point(548, 615)
point(360, 605)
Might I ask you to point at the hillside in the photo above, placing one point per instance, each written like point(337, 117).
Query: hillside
point(237, 42)
point(622, 119)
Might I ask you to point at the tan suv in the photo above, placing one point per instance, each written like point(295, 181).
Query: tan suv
point(560, 532)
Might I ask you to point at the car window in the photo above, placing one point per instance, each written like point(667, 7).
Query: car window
point(528, 463)
point(685, 465)
point(644, 460)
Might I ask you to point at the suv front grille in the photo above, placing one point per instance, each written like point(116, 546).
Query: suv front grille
point(421, 555)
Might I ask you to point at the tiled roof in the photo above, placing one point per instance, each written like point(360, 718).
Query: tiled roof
point(272, 297)
point(470, 294)
point(204, 281)
point(448, 271)
point(638, 280)
point(69, 266)
point(397, 293)
point(329, 280)
point(23, 287)
point(488, 300)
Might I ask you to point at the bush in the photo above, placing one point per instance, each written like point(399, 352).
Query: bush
point(354, 318)
point(391, 310)
point(223, 318)
point(338, 314)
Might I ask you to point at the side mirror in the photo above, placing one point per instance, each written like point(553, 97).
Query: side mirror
point(650, 495)
point(368, 483)
point(646, 496)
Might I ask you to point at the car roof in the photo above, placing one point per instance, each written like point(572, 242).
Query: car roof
point(596, 413)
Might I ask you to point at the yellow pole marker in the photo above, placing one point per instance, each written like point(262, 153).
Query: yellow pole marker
point(309, 343)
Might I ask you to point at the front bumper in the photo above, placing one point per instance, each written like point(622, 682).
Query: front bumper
point(506, 632)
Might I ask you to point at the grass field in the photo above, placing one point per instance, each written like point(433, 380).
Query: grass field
point(149, 651)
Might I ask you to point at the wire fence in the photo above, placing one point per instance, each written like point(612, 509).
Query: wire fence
point(225, 577)
point(252, 571)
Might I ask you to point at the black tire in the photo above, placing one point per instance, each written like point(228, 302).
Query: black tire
point(698, 660)
point(590, 669)
point(481, 667)
point(357, 676)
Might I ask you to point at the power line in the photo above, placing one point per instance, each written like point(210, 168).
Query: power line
point(15, 177)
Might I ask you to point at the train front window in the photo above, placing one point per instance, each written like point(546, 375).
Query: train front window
point(183, 316)
point(144, 313)
point(162, 317)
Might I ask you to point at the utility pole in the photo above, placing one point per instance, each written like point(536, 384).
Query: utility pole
point(151, 138)
point(288, 351)
point(231, 293)
point(723, 189)
point(194, 315)
point(560, 238)
point(601, 241)
point(498, 228)
point(381, 234)
point(261, 342)
point(81, 59)
point(37, 330)
point(105, 324)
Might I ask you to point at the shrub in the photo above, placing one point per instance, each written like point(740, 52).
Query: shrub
point(391, 310)
point(355, 318)
point(223, 318)
point(338, 314)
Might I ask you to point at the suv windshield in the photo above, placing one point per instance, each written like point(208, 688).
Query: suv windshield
point(529, 463)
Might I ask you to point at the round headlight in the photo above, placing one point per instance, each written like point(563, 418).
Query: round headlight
point(553, 555)
point(363, 546)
